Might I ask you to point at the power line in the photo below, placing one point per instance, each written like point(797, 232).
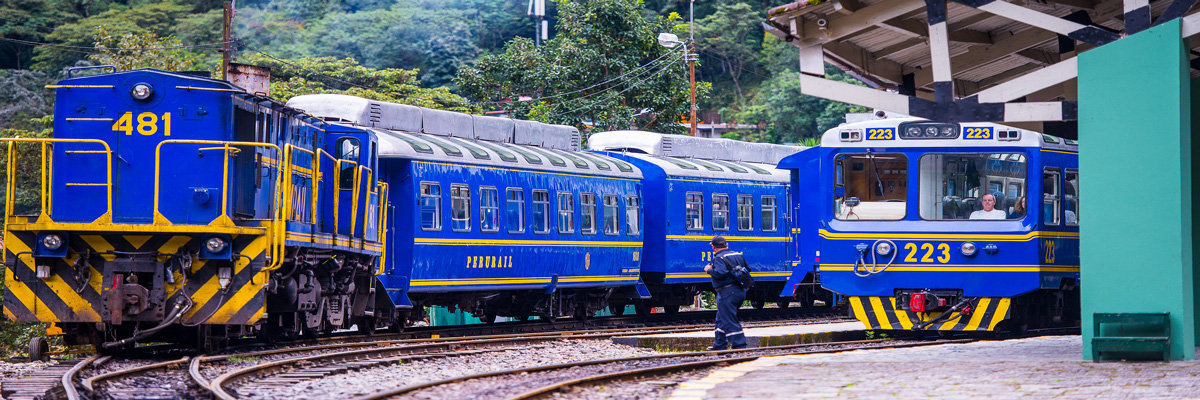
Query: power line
point(102, 48)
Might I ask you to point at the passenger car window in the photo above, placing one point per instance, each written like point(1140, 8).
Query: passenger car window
point(489, 210)
point(566, 212)
point(1071, 198)
point(973, 186)
point(633, 215)
point(1050, 196)
point(873, 186)
point(587, 213)
point(767, 214)
point(460, 208)
point(514, 216)
point(611, 214)
point(431, 206)
point(720, 218)
point(541, 211)
point(745, 212)
point(694, 211)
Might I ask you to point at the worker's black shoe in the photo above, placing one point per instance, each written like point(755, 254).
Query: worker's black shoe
point(716, 348)
point(739, 347)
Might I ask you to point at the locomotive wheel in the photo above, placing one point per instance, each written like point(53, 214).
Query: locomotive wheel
point(616, 309)
point(758, 304)
point(489, 317)
point(642, 309)
point(671, 309)
point(783, 303)
point(366, 326)
point(581, 313)
point(39, 349)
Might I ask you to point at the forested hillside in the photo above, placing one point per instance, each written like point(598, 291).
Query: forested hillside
point(601, 69)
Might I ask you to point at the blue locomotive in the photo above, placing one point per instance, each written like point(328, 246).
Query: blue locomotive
point(180, 208)
point(498, 217)
point(939, 226)
point(707, 187)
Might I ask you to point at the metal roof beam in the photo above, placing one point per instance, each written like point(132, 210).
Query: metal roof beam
point(840, 26)
point(917, 29)
point(983, 55)
point(1077, 31)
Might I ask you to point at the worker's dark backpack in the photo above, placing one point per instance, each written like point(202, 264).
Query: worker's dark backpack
point(740, 272)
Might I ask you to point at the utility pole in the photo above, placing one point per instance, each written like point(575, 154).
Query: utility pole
point(541, 28)
point(692, 61)
point(227, 46)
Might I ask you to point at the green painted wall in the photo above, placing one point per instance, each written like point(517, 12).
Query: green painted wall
point(1196, 206)
point(1136, 235)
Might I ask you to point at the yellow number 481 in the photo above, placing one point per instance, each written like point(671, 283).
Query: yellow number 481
point(147, 123)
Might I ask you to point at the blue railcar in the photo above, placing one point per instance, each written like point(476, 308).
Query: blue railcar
point(703, 188)
point(183, 208)
point(499, 217)
point(940, 226)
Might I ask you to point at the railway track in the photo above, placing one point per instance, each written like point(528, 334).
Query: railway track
point(294, 364)
point(534, 382)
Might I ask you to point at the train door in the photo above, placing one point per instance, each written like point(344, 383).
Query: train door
point(348, 150)
point(245, 163)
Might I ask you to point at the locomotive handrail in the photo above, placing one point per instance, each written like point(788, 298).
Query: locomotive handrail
point(381, 234)
point(337, 181)
point(354, 212)
point(225, 146)
point(47, 164)
point(290, 172)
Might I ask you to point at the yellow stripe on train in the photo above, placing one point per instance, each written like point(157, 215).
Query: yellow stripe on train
point(882, 313)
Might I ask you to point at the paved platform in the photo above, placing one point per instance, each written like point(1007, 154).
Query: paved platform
point(755, 337)
point(1045, 367)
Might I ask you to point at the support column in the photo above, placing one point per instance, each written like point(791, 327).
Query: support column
point(1136, 183)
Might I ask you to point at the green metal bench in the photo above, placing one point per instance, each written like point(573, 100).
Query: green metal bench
point(1135, 332)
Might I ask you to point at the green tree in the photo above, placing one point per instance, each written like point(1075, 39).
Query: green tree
point(156, 18)
point(732, 37)
point(30, 20)
point(603, 68)
point(789, 116)
point(135, 50)
point(346, 76)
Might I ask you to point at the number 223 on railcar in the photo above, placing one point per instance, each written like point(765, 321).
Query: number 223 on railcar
point(920, 225)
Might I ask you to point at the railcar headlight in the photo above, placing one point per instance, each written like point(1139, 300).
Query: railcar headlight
point(52, 242)
point(214, 244)
point(142, 91)
point(968, 249)
point(883, 248)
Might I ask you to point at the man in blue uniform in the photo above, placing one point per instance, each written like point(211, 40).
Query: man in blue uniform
point(730, 295)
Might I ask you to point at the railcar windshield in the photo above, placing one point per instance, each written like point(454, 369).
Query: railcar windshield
point(870, 186)
point(973, 186)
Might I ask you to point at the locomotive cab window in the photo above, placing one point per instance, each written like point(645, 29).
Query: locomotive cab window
point(973, 186)
point(347, 149)
point(431, 206)
point(873, 186)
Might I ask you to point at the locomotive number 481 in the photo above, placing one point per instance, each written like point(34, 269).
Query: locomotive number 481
point(146, 123)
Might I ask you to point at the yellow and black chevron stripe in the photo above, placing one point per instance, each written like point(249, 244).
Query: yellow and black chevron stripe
point(64, 298)
point(881, 313)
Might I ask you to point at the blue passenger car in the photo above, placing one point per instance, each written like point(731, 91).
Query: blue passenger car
point(499, 217)
point(703, 188)
point(941, 226)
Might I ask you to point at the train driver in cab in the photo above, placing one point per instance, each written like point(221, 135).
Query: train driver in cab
point(989, 211)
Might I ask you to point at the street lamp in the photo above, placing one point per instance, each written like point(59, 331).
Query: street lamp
point(670, 40)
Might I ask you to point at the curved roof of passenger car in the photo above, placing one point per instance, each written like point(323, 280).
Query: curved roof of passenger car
point(691, 147)
point(1026, 138)
point(714, 169)
point(448, 149)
